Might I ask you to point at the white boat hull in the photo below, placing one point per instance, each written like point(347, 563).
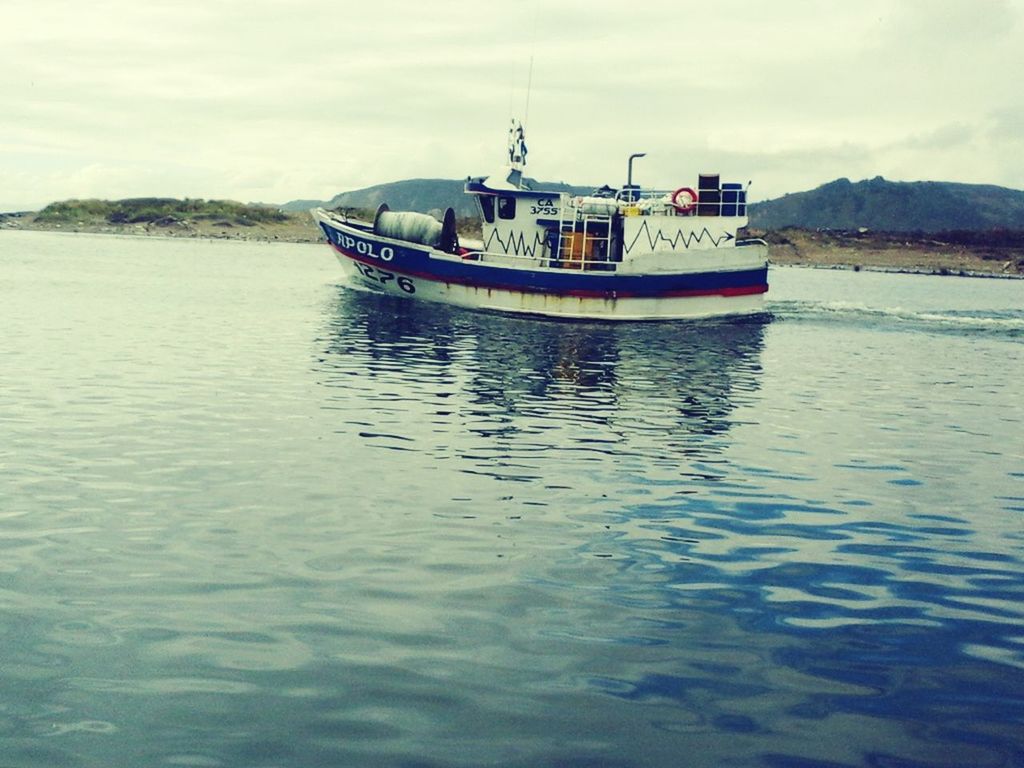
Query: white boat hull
point(551, 305)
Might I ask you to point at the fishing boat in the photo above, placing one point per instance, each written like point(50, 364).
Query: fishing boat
point(625, 253)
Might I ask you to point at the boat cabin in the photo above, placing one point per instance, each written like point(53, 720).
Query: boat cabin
point(606, 228)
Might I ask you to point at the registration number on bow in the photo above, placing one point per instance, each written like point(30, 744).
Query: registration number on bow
point(382, 277)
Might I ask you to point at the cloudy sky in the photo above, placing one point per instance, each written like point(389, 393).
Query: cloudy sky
point(272, 101)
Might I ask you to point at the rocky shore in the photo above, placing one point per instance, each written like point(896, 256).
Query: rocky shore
point(890, 252)
point(294, 228)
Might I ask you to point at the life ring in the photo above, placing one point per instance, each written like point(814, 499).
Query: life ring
point(688, 203)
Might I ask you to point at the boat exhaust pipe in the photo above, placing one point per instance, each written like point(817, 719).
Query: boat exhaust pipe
point(631, 192)
point(629, 174)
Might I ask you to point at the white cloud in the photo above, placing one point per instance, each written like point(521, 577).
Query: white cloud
point(270, 101)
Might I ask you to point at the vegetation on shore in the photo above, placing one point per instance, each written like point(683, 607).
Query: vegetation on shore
point(174, 218)
point(147, 210)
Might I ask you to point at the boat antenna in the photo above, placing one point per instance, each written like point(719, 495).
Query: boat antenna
point(529, 85)
point(529, 76)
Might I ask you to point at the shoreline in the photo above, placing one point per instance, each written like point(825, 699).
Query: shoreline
point(930, 271)
point(893, 253)
point(299, 228)
point(789, 248)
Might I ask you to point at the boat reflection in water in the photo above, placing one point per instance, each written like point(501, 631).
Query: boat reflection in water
point(521, 488)
point(518, 398)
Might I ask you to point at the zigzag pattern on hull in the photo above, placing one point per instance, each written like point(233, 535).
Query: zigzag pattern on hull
point(516, 244)
point(684, 239)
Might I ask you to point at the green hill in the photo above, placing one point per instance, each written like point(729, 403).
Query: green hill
point(170, 217)
point(157, 210)
point(890, 206)
point(423, 195)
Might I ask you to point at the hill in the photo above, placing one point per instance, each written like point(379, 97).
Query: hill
point(172, 217)
point(423, 195)
point(166, 210)
point(890, 206)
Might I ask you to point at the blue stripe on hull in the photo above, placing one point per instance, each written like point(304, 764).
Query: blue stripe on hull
point(417, 262)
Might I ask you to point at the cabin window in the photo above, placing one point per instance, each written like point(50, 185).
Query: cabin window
point(487, 207)
point(506, 207)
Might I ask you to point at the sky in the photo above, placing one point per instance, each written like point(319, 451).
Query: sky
point(262, 101)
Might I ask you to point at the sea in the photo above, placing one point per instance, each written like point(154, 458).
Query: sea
point(251, 517)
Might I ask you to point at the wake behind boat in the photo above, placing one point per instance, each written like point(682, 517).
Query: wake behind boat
point(617, 254)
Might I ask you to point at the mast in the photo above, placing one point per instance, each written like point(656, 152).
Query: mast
point(516, 146)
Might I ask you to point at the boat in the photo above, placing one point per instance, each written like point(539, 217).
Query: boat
point(625, 253)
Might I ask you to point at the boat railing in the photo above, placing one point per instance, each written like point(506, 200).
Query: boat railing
point(727, 200)
point(550, 260)
point(633, 195)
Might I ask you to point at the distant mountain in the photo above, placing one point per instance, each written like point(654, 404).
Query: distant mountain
point(300, 206)
point(423, 195)
point(894, 206)
point(875, 204)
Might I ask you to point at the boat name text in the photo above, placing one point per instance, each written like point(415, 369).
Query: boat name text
point(364, 247)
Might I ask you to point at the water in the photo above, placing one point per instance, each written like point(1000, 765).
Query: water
point(249, 517)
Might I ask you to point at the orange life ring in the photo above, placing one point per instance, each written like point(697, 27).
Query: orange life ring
point(683, 206)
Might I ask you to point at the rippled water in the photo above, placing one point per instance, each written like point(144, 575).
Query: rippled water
point(249, 517)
